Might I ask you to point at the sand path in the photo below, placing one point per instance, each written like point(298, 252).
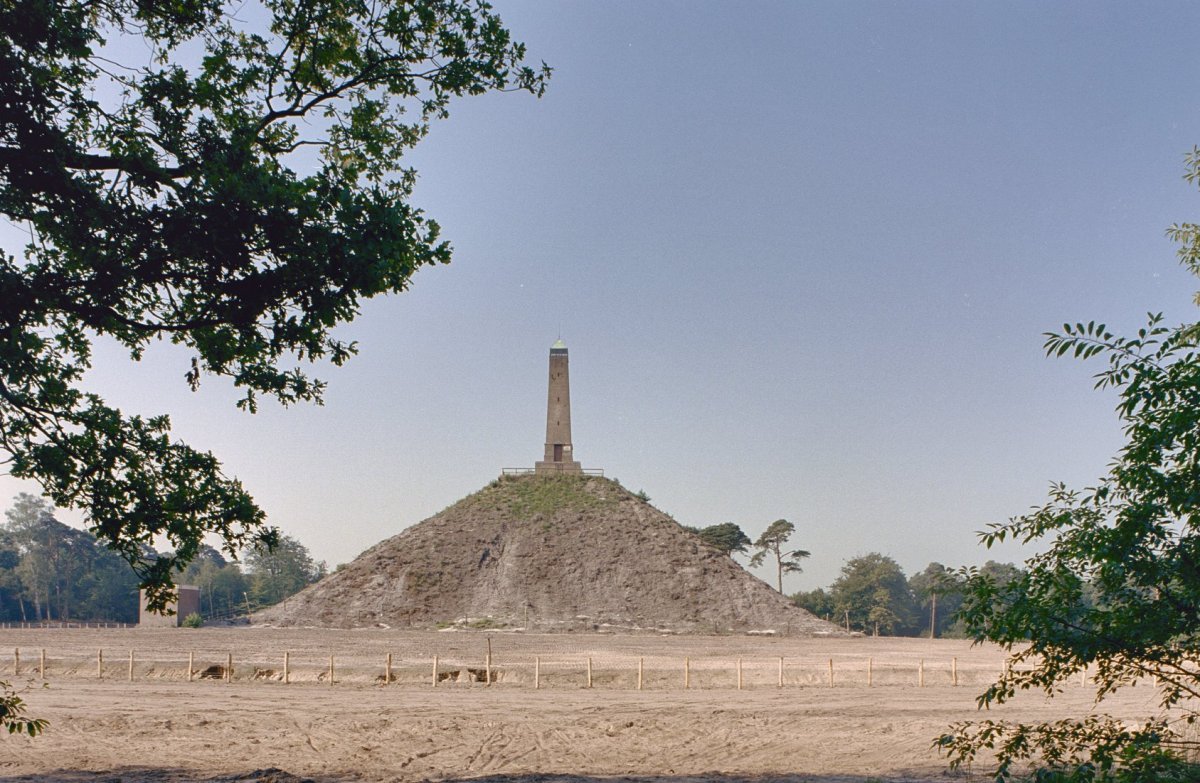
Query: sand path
point(170, 730)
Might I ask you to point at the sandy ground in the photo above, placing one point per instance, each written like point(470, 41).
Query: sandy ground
point(161, 727)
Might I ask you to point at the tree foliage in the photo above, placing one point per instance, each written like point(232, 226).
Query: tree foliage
point(51, 571)
point(223, 586)
point(773, 541)
point(872, 594)
point(1117, 591)
point(818, 601)
point(726, 537)
point(13, 717)
point(280, 571)
point(938, 594)
point(154, 153)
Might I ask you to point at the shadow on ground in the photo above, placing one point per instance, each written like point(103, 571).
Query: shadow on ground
point(171, 775)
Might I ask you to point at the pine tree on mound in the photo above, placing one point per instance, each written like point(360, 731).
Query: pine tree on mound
point(551, 553)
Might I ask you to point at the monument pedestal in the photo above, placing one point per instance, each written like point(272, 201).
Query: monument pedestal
point(547, 468)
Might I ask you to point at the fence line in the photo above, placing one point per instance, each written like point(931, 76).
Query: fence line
point(62, 625)
point(614, 672)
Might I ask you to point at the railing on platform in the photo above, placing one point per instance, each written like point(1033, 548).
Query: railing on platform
point(531, 471)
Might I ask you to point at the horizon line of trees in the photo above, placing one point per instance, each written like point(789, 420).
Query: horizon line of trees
point(50, 571)
point(872, 595)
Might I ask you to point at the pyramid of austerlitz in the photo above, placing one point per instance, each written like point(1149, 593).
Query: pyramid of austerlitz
point(577, 552)
point(557, 548)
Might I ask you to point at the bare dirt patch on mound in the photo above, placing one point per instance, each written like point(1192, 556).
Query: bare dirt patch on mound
point(552, 553)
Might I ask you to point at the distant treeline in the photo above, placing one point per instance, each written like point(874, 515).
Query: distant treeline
point(52, 571)
point(874, 596)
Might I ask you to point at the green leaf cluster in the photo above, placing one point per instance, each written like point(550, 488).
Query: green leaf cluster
point(12, 714)
point(872, 594)
point(937, 591)
point(726, 537)
point(231, 182)
point(51, 571)
point(280, 571)
point(1094, 749)
point(1117, 589)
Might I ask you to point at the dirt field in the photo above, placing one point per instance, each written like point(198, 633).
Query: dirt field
point(160, 726)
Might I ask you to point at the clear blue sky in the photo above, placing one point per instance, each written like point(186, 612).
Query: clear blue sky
point(802, 254)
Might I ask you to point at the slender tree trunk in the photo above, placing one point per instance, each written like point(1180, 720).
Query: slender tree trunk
point(779, 570)
point(933, 615)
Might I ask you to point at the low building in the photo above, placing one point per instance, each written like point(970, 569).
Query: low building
point(187, 601)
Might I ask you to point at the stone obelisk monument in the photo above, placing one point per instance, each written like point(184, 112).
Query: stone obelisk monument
point(559, 456)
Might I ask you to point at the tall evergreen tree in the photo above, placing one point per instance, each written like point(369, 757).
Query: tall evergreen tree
point(773, 541)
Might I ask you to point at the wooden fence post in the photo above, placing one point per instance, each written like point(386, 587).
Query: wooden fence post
point(99, 664)
point(640, 661)
point(229, 667)
point(331, 671)
point(589, 671)
point(387, 670)
point(870, 662)
point(687, 673)
point(488, 663)
point(830, 672)
point(191, 665)
point(954, 671)
point(287, 667)
point(739, 673)
point(131, 665)
point(435, 670)
point(16, 661)
point(42, 664)
point(537, 672)
point(781, 671)
point(921, 673)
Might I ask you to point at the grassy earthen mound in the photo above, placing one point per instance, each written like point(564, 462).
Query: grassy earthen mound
point(547, 553)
